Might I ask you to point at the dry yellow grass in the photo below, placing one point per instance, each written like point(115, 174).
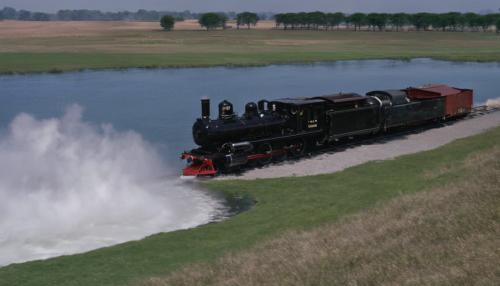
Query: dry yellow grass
point(446, 236)
point(29, 29)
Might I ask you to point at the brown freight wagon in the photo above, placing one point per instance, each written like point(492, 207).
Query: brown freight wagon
point(457, 101)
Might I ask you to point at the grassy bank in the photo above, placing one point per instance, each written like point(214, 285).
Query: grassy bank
point(448, 235)
point(282, 205)
point(47, 47)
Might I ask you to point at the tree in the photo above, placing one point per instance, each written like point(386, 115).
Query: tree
point(377, 20)
point(39, 16)
point(399, 20)
point(472, 20)
point(283, 19)
point(278, 19)
point(246, 18)
point(287, 19)
point(421, 21)
point(358, 20)
point(167, 22)
point(315, 19)
point(145, 15)
point(461, 22)
point(482, 22)
point(438, 21)
point(24, 15)
point(334, 19)
point(299, 19)
point(64, 15)
point(497, 24)
point(487, 21)
point(9, 13)
point(212, 21)
point(454, 20)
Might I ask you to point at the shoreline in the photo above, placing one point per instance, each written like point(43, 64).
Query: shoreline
point(233, 65)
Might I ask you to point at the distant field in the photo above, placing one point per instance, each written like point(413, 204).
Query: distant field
point(63, 46)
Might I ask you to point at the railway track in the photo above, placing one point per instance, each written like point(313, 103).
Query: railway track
point(482, 110)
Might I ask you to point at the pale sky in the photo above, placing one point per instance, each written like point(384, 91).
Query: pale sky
point(260, 5)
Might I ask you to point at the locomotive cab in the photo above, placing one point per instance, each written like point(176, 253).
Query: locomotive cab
point(351, 114)
point(301, 114)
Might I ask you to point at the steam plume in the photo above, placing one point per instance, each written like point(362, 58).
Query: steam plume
point(493, 103)
point(67, 186)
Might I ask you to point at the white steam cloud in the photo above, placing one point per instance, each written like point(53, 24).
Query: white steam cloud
point(67, 186)
point(493, 103)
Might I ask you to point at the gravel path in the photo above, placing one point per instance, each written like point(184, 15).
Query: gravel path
point(407, 144)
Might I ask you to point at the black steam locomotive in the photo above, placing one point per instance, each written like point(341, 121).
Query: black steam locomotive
point(273, 130)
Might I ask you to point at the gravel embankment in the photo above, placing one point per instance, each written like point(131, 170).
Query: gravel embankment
point(383, 150)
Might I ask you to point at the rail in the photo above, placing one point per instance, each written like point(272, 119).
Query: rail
point(482, 110)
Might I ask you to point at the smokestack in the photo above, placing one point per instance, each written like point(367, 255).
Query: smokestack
point(205, 108)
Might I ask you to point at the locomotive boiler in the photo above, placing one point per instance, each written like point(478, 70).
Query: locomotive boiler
point(289, 127)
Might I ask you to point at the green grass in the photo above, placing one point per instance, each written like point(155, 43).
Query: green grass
point(282, 205)
point(448, 235)
point(152, 49)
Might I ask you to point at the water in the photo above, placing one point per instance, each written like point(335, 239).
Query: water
point(70, 184)
point(162, 104)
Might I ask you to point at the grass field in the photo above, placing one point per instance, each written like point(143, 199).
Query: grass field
point(283, 205)
point(63, 46)
point(448, 235)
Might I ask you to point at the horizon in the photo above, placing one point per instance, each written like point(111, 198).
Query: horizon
point(366, 6)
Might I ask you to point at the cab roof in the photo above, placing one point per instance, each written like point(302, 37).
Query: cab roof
point(299, 101)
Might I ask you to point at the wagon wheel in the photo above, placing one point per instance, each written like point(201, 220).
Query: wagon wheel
point(267, 149)
point(298, 147)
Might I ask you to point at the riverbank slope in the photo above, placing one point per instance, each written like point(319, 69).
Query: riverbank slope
point(448, 235)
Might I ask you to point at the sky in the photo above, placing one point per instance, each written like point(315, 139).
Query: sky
point(346, 6)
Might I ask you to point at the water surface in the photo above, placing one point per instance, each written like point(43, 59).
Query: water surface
point(162, 104)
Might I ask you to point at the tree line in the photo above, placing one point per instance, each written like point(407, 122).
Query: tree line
point(452, 21)
point(211, 21)
point(9, 13)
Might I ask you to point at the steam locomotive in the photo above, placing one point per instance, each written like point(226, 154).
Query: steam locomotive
point(275, 130)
